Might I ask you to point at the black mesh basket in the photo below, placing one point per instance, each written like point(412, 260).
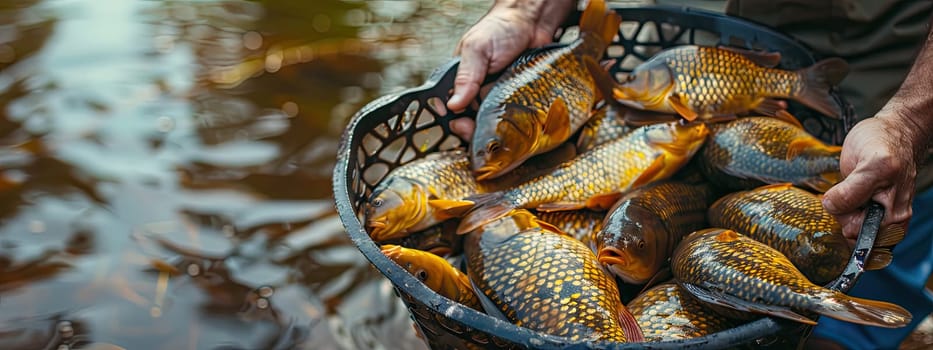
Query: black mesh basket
point(396, 129)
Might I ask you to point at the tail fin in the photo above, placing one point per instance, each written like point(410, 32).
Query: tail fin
point(600, 21)
point(818, 79)
point(863, 311)
point(891, 235)
point(878, 259)
point(489, 207)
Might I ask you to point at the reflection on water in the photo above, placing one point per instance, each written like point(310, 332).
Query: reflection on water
point(165, 169)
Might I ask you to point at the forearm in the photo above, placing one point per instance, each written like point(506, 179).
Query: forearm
point(912, 105)
point(546, 12)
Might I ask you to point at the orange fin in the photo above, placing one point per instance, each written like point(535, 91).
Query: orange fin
point(678, 104)
point(600, 21)
point(604, 82)
point(776, 187)
point(550, 227)
point(650, 173)
point(560, 206)
point(489, 207)
point(603, 201)
point(863, 311)
point(727, 236)
point(761, 58)
point(721, 118)
point(637, 117)
point(878, 259)
point(810, 146)
point(824, 181)
point(891, 235)
point(630, 327)
point(818, 79)
point(735, 303)
point(557, 122)
point(777, 109)
point(448, 208)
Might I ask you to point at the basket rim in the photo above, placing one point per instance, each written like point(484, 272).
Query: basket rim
point(346, 156)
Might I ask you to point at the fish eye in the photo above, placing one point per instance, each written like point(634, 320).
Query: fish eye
point(492, 146)
point(377, 202)
point(422, 275)
point(641, 244)
point(630, 78)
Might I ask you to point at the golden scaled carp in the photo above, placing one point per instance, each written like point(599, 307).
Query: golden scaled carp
point(546, 281)
point(643, 228)
point(705, 82)
point(579, 224)
point(667, 312)
point(749, 152)
point(420, 194)
point(794, 222)
point(441, 240)
point(596, 179)
point(542, 99)
point(728, 269)
point(436, 273)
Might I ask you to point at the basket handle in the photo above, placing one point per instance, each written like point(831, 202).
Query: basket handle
point(874, 214)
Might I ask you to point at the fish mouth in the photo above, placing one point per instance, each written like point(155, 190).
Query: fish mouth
point(486, 172)
point(610, 256)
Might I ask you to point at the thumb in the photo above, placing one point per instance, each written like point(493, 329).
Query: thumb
point(850, 194)
point(470, 73)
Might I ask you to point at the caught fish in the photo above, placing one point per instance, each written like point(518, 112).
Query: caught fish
point(606, 124)
point(542, 99)
point(748, 152)
point(420, 194)
point(436, 273)
point(794, 222)
point(545, 281)
point(643, 228)
point(579, 224)
point(705, 82)
point(596, 179)
point(727, 269)
point(667, 312)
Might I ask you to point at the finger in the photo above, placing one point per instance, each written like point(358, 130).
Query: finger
point(850, 194)
point(463, 127)
point(851, 223)
point(901, 210)
point(470, 73)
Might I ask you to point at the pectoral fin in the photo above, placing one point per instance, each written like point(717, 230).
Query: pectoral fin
point(448, 208)
point(603, 201)
point(560, 206)
point(557, 122)
point(681, 107)
point(650, 173)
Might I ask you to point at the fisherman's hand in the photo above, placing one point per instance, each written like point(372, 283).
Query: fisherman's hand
point(878, 163)
point(510, 27)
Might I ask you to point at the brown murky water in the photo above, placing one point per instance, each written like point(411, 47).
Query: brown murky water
point(165, 169)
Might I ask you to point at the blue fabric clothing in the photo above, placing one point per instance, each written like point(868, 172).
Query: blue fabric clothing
point(903, 283)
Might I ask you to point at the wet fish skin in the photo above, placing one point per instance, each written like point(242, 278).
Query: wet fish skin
point(643, 228)
point(666, 312)
point(441, 240)
point(790, 220)
point(420, 194)
point(579, 224)
point(705, 82)
point(606, 124)
point(436, 273)
point(728, 269)
point(541, 99)
point(750, 152)
point(597, 178)
point(546, 281)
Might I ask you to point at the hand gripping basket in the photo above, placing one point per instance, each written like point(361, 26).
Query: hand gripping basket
point(402, 127)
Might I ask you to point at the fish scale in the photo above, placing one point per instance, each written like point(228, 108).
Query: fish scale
point(791, 220)
point(609, 168)
point(749, 152)
point(546, 281)
point(579, 224)
point(666, 312)
point(701, 71)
